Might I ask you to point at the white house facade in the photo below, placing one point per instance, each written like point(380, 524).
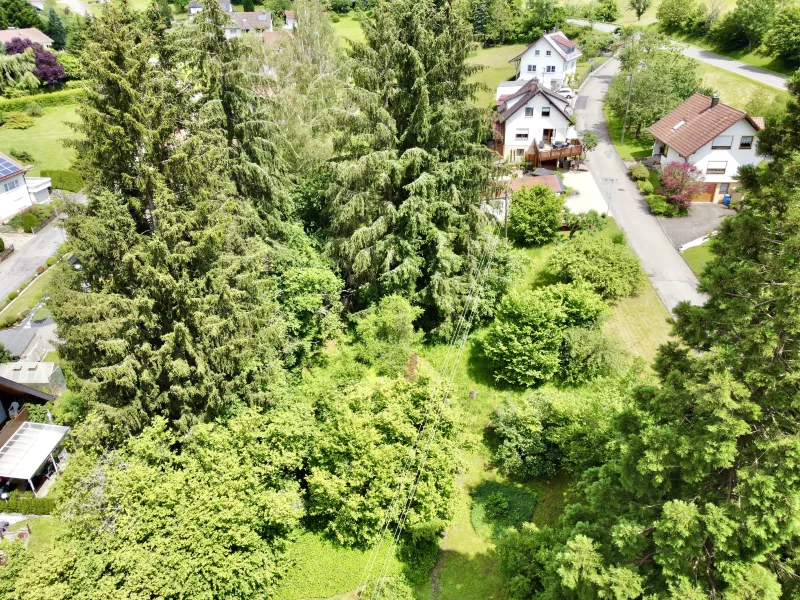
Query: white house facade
point(532, 116)
point(244, 22)
point(551, 60)
point(714, 137)
point(18, 192)
point(290, 21)
point(225, 6)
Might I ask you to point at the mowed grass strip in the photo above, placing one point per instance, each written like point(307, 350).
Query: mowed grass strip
point(44, 141)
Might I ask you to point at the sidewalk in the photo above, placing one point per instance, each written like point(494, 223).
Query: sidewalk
point(23, 262)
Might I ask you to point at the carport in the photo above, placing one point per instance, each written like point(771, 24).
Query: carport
point(28, 449)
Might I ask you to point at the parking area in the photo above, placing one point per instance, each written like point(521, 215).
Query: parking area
point(703, 218)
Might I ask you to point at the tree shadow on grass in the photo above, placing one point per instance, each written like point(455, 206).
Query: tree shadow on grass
point(496, 506)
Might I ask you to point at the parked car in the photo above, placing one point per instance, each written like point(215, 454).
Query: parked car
point(566, 92)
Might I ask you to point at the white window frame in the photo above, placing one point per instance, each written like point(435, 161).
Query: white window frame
point(536, 53)
point(749, 146)
point(523, 133)
point(551, 69)
point(11, 185)
point(722, 142)
point(529, 111)
point(716, 170)
point(531, 68)
point(545, 111)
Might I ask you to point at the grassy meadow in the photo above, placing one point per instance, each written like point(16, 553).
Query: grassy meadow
point(45, 139)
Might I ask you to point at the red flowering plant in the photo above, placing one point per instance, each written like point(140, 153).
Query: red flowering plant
point(680, 182)
point(48, 70)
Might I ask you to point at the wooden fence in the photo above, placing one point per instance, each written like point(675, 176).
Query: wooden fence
point(6, 253)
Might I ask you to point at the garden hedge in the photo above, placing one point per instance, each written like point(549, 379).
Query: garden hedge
point(639, 172)
point(60, 98)
point(64, 179)
point(28, 505)
point(660, 206)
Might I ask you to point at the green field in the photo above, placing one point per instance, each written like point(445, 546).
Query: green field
point(755, 57)
point(349, 28)
point(633, 148)
point(45, 140)
point(43, 533)
point(496, 68)
point(32, 294)
point(739, 91)
point(698, 256)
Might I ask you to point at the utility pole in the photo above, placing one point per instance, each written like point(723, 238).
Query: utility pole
point(627, 106)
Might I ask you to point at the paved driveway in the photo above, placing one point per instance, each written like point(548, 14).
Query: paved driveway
point(703, 218)
point(26, 257)
point(671, 277)
point(589, 196)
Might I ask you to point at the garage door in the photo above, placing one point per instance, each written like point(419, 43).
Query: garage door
point(706, 196)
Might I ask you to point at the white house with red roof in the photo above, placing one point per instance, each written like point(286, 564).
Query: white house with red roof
point(551, 59)
point(18, 192)
point(532, 121)
point(714, 137)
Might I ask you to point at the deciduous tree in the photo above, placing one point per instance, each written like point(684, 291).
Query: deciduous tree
point(680, 182)
point(535, 215)
point(639, 7)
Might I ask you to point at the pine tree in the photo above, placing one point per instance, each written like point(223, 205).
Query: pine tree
point(406, 192)
point(20, 14)
point(248, 6)
point(700, 499)
point(56, 29)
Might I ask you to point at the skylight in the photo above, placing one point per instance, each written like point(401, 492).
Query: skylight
point(678, 125)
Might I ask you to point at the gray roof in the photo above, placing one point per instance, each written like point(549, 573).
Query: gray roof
point(541, 172)
point(30, 373)
point(16, 340)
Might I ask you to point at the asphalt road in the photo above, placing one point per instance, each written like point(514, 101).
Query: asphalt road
point(671, 277)
point(715, 60)
point(23, 262)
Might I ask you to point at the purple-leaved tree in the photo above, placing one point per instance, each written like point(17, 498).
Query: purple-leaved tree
point(48, 70)
point(680, 182)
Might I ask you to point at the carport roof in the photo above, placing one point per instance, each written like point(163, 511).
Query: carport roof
point(28, 448)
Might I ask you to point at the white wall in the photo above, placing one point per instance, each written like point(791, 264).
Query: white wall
point(535, 125)
point(562, 67)
point(13, 201)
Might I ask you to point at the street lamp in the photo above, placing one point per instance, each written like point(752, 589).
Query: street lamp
point(611, 181)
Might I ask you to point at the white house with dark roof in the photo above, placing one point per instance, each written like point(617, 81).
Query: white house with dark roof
point(533, 121)
point(225, 6)
point(244, 22)
point(18, 192)
point(550, 59)
point(714, 137)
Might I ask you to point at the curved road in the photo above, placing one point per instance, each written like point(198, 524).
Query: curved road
point(715, 60)
point(671, 277)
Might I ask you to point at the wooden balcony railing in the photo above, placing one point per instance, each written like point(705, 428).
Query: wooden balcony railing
point(538, 155)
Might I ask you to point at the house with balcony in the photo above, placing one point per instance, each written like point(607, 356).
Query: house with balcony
point(18, 192)
point(551, 60)
point(533, 125)
point(714, 137)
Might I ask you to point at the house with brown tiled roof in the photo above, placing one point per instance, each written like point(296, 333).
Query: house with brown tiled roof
point(714, 137)
point(530, 122)
point(244, 22)
point(30, 33)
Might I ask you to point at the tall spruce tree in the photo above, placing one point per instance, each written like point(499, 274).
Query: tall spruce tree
point(20, 14)
point(701, 498)
point(405, 197)
point(56, 29)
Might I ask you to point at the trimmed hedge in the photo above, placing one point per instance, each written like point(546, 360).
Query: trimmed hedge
point(28, 505)
point(659, 206)
point(64, 179)
point(68, 96)
point(639, 172)
point(645, 187)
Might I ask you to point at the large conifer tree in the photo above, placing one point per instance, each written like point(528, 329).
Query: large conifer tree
point(405, 201)
point(702, 496)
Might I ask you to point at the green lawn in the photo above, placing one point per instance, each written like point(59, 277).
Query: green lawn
point(45, 140)
point(28, 299)
point(633, 148)
point(628, 16)
point(496, 69)
point(43, 533)
point(698, 256)
point(756, 57)
point(349, 28)
point(739, 91)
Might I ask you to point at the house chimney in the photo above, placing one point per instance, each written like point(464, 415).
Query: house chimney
point(714, 100)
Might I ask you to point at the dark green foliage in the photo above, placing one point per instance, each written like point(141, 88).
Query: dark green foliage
point(783, 37)
point(406, 192)
point(535, 215)
point(498, 506)
point(31, 217)
point(23, 156)
point(524, 558)
point(341, 6)
point(248, 5)
point(659, 206)
point(63, 179)
point(746, 25)
point(56, 29)
point(2, 245)
point(385, 335)
point(524, 342)
point(20, 14)
point(5, 355)
point(639, 172)
point(611, 270)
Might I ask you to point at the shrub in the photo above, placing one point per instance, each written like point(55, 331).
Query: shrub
point(2, 245)
point(680, 182)
point(385, 335)
point(64, 179)
point(41, 269)
point(34, 109)
point(31, 217)
point(659, 206)
point(13, 296)
point(29, 221)
point(590, 222)
point(645, 187)
point(69, 96)
point(586, 354)
point(22, 156)
point(618, 238)
point(335, 18)
point(28, 504)
point(37, 412)
point(639, 172)
point(522, 345)
point(51, 260)
point(535, 215)
point(611, 270)
point(17, 120)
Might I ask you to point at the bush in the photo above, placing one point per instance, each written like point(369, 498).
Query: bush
point(523, 344)
point(385, 335)
point(2, 245)
point(639, 172)
point(13, 296)
point(587, 354)
point(17, 120)
point(28, 504)
point(535, 215)
point(618, 238)
point(69, 96)
point(31, 217)
point(40, 269)
point(659, 206)
point(50, 261)
point(335, 18)
point(645, 187)
point(22, 156)
point(611, 270)
point(34, 109)
point(64, 179)
point(38, 412)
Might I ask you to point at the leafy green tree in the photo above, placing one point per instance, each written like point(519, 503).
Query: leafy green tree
point(673, 15)
point(406, 189)
point(385, 335)
point(248, 6)
point(5, 355)
point(523, 344)
point(590, 222)
point(783, 37)
point(56, 29)
point(20, 14)
point(610, 269)
point(639, 7)
point(541, 16)
point(586, 354)
point(746, 25)
point(607, 10)
point(535, 215)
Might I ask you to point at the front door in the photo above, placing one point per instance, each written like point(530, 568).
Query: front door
point(547, 136)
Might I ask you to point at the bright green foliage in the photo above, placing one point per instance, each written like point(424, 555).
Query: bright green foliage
point(612, 270)
point(674, 14)
point(639, 7)
point(659, 206)
point(746, 25)
point(14, 68)
point(783, 38)
point(358, 459)
point(639, 172)
point(70, 181)
point(17, 120)
point(587, 354)
point(541, 16)
point(5, 355)
point(523, 343)
point(606, 10)
point(385, 335)
point(589, 222)
point(406, 193)
point(20, 14)
point(208, 522)
point(56, 29)
point(535, 215)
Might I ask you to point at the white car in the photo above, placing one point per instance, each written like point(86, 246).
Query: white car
point(566, 92)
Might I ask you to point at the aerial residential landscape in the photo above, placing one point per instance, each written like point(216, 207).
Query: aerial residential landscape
point(401, 299)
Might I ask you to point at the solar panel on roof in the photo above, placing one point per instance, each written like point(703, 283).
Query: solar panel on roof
point(7, 167)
